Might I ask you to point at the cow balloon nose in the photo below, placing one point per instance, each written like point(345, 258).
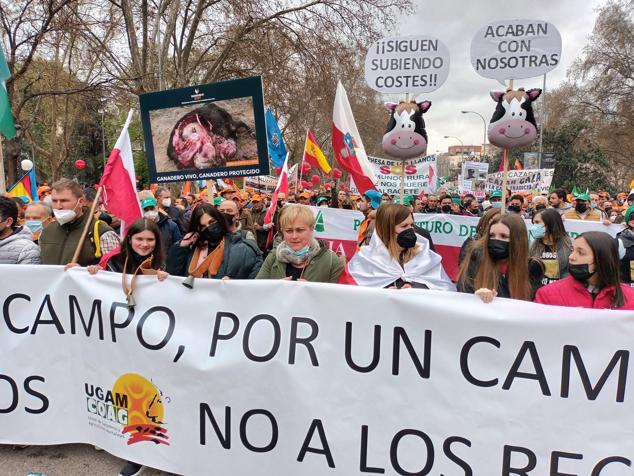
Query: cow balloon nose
point(393, 141)
point(527, 130)
point(416, 141)
point(501, 130)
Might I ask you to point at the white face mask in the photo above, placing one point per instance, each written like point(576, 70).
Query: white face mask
point(151, 215)
point(166, 202)
point(64, 216)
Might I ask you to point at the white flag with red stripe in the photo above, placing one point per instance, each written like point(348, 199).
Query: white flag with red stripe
point(119, 181)
point(347, 145)
point(282, 187)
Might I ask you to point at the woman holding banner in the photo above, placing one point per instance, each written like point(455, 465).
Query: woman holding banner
point(210, 250)
point(594, 277)
point(398, 258)
point(498, 263)
point(551, 244)
point(300, 256)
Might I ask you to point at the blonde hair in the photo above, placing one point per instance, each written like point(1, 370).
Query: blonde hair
point(387, 217)
point(291, 213)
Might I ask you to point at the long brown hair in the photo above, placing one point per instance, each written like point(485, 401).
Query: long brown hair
point(387, 217)
point(487, 274)
point(606, 261)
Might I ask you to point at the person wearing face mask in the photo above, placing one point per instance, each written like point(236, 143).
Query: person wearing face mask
point(60, 238)
point(594, 277)
point(36, 216)
point(229, 209)
point(538, 203)
point(432, 204)
point(210, 250)
point(498, 263)
point(516, 204)
point(167, 205)
point(495, 199)
point(625, 243)
point(170, 233)
point(397, 257)
point(300, 256)
point(551, 244)
point(446, 204)
point(16, 242)
point(583, 210)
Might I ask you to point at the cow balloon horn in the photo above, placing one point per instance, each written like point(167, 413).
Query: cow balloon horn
point(513, 122)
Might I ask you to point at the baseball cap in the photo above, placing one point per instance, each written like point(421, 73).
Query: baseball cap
point(148, 202)
point(496, 194)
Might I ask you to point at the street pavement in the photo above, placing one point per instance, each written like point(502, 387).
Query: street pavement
point(62, 460)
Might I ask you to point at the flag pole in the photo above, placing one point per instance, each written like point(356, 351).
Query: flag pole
point(84, 232)
point(3, 183)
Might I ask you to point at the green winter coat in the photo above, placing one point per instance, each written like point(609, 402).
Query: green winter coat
point(325, 267)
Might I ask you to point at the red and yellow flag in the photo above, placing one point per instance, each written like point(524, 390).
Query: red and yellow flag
point(518, 165)
point(313, 154)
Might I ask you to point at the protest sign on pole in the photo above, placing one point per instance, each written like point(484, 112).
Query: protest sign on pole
point(206, 131)
point(515, 49)
point(407, 64)
point(474, 177)
point(312, 379)
point(389, 173)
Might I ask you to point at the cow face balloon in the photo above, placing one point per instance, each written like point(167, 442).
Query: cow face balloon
point(513, 123)
point(405, 137)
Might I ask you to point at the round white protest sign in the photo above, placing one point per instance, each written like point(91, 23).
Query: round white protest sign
point(412, 64)
point(515, 49)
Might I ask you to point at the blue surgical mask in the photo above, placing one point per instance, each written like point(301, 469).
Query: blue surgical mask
point(301, 252)
point(537, 230)
point(496, 205)
point(33, 225)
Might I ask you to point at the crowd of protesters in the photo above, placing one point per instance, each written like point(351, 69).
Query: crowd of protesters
point(225, 235)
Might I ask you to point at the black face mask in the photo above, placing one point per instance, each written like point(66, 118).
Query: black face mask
point(280, 203)
point(498, 249)
point(608, 210)
point(213, 233)
point(580, 272)
point(228, 219)
point(515, 208)
point(406, 238)
point(581, 207)
point(540, 207)
point(446, 208)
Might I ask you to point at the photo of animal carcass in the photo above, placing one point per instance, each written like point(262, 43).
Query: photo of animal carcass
point(204, 136)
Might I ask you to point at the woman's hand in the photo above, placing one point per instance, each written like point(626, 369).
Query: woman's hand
point(70, 265)
point(93, 269)
point(487, 295)
point(161, 275)
point(189, 240)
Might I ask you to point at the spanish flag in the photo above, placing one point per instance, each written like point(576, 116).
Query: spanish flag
point(313, 154)
point(518, 165)
point(25, 188)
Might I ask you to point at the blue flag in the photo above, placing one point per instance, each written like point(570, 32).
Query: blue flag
point(277, 148)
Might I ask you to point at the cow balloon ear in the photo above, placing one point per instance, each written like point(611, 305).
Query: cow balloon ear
point(424, 106)
point(497, 95)
point(390, 106)
point(534, 93)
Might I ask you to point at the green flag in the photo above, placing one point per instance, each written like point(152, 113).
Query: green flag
point(7, 128)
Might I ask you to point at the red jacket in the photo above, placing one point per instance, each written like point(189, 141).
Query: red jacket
point(571, 293)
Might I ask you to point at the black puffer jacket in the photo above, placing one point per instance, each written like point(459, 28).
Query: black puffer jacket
point(242, 259)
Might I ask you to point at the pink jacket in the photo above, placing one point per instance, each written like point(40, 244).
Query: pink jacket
point(571, 293)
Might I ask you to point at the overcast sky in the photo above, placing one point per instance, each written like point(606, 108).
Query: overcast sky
point(455, 22)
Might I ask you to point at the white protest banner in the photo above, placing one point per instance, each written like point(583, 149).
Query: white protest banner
point(312, 379)
point(533, 180)
point(261, 183)
point(417, 175)
point(515, 49)
point(474, 176)
point(340, 228)
point(412, 64)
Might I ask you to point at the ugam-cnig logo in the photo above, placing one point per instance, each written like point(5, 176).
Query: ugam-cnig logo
point(134, 404)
